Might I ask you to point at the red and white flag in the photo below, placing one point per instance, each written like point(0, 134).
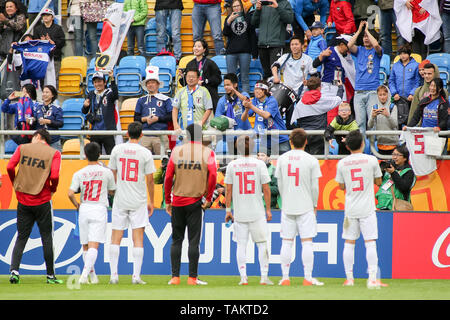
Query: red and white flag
point(422, 15)
point(115, 28)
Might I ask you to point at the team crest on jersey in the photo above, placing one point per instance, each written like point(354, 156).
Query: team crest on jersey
point(198, 100)
point(104, 101)
point(159, 103)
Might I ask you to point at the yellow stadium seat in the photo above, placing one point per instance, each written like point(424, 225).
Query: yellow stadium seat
point(188, 6)
point(416, 57)
point(182, 65)
point(151, 8)
point(72, 146)
point(129, 104)
point(71, 75)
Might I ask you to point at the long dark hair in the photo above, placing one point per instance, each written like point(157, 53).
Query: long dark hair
point(439, 87)
point(204, 45)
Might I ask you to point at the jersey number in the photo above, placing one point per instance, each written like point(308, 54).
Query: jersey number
point(419, 143)
point(89, 186)
point(246, 186)
point(295, 174)
point(130, 169)
point(358, 179)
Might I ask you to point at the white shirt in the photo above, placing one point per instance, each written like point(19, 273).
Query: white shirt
point(357, 172)
point(297, 171)
point(292, 72)
point(247, 175)
point(421, 163)
point(132, 162)
point(93, 182)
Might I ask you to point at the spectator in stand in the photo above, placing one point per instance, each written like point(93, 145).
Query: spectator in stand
point(344, 121)
point(210, 75)
point(305, 11)
point(241, 42)
point(208, 10)
point(23, 109)
point(99, 108)
point(445, 15)
point(13, 24)
point(432, 110)
point(384, 117)
point(78, 28)
point(404, 78)
point(387, 20)
point(271, 20)
point(137, 27)
point(154, 111)
point(169, 10)
point(342, 16)
point(367, 81)
point(50, 115)
point(54, 33)
point(35, 6)
point(430, 72)
point(317, 43)
point(422, 70)
point(360, 8)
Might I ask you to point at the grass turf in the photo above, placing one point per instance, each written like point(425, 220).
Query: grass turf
point(219, 288)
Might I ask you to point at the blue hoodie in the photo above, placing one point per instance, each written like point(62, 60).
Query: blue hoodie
point(404, 80)
point(316, 45)
point(305, 8)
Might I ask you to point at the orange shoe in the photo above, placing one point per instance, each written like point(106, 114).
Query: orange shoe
point(192, 281)
point(348, 283)
point(174, 281)
point(313, 282)
point(285, 282)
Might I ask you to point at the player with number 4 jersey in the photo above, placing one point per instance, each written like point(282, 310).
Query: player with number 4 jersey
point(133, 168)
point(93, 182)
point(298, 175)
point(357, 174)
point(246, 179)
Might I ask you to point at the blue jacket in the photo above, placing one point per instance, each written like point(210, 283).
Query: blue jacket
point(35, 6)
point(305, 8)
point(222, 107)
point(404, 80)
point(54, 113)
point(316, 46)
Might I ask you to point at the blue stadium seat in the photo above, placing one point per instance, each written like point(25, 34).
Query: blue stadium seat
point(385, 68)
point(150, 36)
point(167, 71)
point(129, 74)
point(255, 74)
point(442, 60)
point(221, 62)
point(72, 115)
point(330, 33)
point(10, 146)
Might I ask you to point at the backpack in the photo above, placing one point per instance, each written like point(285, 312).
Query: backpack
point(402, 112)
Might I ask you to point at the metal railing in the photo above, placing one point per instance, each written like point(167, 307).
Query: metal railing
point(82, 134)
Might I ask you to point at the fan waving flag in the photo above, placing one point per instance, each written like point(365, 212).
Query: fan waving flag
point(422, 15)
point(115, 28)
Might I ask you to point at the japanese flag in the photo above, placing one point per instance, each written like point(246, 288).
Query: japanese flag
point(427, 20)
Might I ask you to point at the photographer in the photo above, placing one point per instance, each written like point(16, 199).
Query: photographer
point(400, 175)
point(99, 108)
point(160, 175)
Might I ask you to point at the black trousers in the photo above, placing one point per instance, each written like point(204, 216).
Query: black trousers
point(190, 216)
point(268, 56)
point(26, 217)
point(107, 142)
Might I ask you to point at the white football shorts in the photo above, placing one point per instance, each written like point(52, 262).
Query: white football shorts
point(259, 231)
point(304, 225)
point(92, 220)
point(367, 226)
point(122, 219)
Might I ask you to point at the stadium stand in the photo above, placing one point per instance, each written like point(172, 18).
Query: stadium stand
point(71, 76)
point(167, 72)
point(442, 60)
point(129, 74)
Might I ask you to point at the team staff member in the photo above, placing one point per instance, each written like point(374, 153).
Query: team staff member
point(99, 108)
point(35, 182)
point(194, 166)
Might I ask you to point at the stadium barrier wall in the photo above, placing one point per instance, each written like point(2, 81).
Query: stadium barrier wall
point(410, 245)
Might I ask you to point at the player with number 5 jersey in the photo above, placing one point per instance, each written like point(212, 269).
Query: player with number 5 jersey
point(298, 175)
point(133, 168)
point(357, 174)
point(246, 179)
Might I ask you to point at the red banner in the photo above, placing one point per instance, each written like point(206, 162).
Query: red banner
point(421, 246)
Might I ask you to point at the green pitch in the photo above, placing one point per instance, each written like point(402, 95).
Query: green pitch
point(219, 288)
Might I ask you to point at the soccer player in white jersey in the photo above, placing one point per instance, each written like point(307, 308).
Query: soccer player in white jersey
point(133, 168)
point(298, 174)
point(246, 180)
point(93, 182)
point(356, 174)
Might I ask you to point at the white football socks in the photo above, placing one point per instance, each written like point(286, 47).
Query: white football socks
point(349, 259)
point(308, 259)
point(114, 251)
point(372, 259)
point(263, 254)
point(89, 260)
point(138, 256)
point(241, 258)
point(285, 257)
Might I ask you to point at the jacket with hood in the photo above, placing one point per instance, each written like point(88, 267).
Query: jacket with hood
point(342, 16)
point(381, 122)
point(140, 8)
point(340, 124)
point(272, 24)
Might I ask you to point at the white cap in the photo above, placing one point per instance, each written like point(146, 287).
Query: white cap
point(48, 11)
point(151, 73)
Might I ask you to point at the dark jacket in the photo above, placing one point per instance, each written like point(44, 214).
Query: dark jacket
point(56, 33)
point(442, 113)
point(404, 183)
point(107, 105)
point(272, 24)
point(211, 76)
point(168, 4)
point(239, 41)
point(51, 112)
